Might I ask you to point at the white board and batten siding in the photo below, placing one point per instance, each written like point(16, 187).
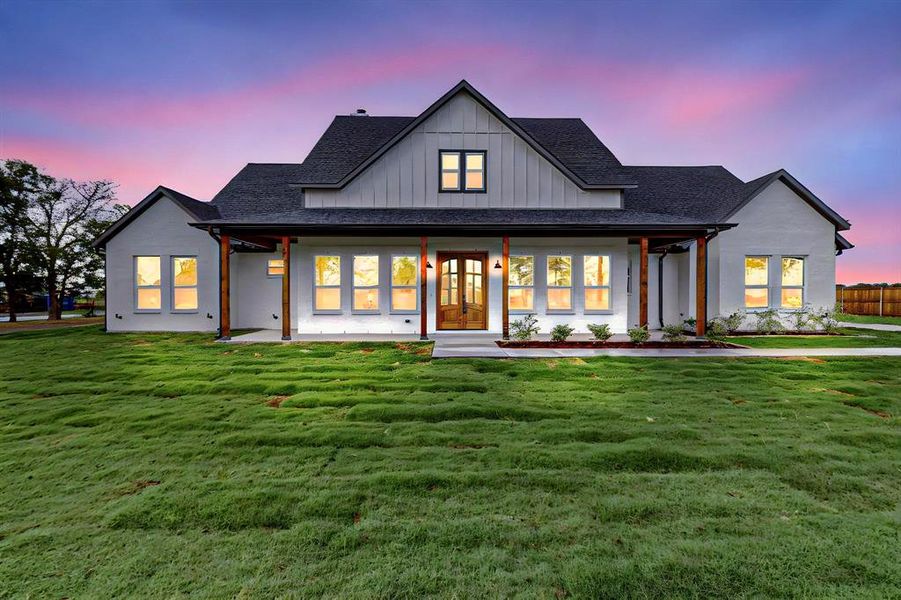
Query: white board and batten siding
point(407, 175)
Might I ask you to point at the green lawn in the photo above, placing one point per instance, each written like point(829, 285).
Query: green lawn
point(165, 465)
point(868, 319)
point(852, 338)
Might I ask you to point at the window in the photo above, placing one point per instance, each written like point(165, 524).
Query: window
point(522, 283)
point(463, 170)
point(327, 283)
point(597, 283)
point(366, 283)
point(184, 283)
point(275, 267)
point(756, 280)
point(147, 283)
point(403, 283)
point(792, 282)
point(559, 283)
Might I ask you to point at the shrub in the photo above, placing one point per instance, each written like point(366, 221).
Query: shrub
point(560, 332)
point(717, 329)
point(601, 332)
point(768, 321)
point(801, 319)
point(639, 335)
point(690, 323)
point(673, 333)
point(826, 319)
point(523, 329)
point(733, 322)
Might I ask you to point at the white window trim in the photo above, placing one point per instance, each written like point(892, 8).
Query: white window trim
point(766, 286)
point(392, 287)
point(354, 287)
point(608, 287)
point(268, 274)
point(330, 311)
point(510, 287)
point(571, 287)
point(802, 287)
point(136, 287)
point(172, 288)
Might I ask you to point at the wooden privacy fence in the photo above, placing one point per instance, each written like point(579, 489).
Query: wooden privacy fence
point(869, 300)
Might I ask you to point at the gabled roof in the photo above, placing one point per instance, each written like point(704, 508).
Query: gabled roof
point(260, 188)
point(707, 193)
point(197, 210)
point(755, 187)
point(351, 144)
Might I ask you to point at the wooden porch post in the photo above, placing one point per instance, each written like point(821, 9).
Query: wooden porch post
point(286, 288)
point(224, 292)
point(701, 287)
point(505, 263)
point(643, 284)
point(423, 287)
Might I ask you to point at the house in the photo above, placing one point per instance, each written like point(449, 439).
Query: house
point(462, 219)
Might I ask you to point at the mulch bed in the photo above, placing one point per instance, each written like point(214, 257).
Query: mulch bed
point(610, 345)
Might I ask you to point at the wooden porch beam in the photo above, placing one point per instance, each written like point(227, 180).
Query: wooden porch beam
point(643, 284)
point(505, 275)
point(286, 288)
point(224, 291)
point(701, 287)
point(423, 287)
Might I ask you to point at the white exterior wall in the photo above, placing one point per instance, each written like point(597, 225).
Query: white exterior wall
point(407, 176)
point(776, 223)
point(255, 297)
point(162, 231)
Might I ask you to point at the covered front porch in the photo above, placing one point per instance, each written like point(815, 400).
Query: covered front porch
point(604, 278)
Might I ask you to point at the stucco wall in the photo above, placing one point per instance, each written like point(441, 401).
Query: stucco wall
point(777, 223)
point(162, 231)
point(407, 175)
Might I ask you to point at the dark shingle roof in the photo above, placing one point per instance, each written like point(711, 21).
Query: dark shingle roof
point(346, 143)
point(260, 188)
point(201, 210)
point(704, 193)
point(575, 145)
point(379, 217)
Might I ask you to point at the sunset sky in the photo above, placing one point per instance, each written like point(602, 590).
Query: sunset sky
point(184, 94)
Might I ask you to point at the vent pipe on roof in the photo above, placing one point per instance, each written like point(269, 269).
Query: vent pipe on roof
point(361, 112)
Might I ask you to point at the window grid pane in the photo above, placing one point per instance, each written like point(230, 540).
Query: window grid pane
point(148, 291)
point(521, 277)
point(404, 280)
point(327, 283)
point(275, 267)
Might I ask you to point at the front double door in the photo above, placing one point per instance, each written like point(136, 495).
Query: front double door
point(462, 290)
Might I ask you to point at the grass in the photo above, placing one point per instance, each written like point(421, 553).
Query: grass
point(34, 325)
point(851, 338)
point(163, 465)
point(886, 320)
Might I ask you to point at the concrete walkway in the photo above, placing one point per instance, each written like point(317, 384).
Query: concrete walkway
point(876, 326)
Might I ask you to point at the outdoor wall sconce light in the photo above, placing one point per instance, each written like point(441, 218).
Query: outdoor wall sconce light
point(209, 316)
point(428, 265)
point(275, 316)
point(497, 265)
point(118, 316)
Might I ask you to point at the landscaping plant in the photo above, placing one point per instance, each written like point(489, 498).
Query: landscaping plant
point(689, 323)
point(768, 321)
point(717, 329)
point(673, 333)
point(826, 320)
point(639, 335)
point(560, 332)
point(523, 329)
point(733, 322)
point(600, 331)
point(801, 319)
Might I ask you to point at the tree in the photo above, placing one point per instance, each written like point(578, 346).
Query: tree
point(62, 224)
point(20, 184)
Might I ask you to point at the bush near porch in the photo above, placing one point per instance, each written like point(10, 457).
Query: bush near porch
point(159, 465)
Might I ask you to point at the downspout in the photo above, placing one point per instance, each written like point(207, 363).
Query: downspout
point(660, 286)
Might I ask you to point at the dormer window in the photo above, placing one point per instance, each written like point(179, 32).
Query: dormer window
point(463, 170)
